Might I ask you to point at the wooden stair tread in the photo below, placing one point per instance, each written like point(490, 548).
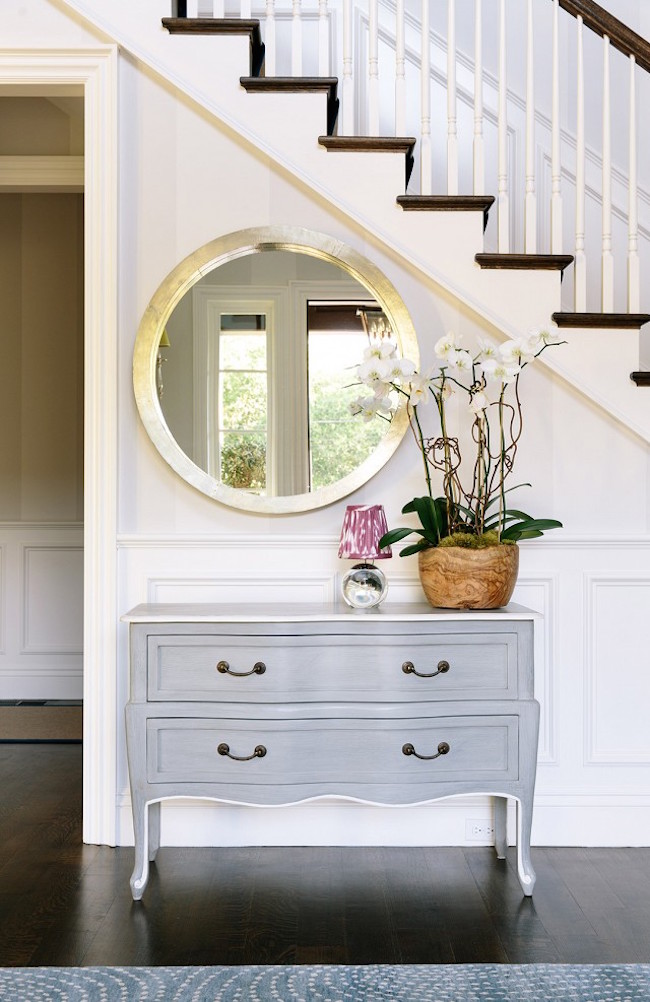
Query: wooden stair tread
point(604, 320)
point(369, 144)
point(640, 378)
point(289, 85)
point(447, 203)
point(211, 25)
point(373, 144)
point(543, 262)
point(222, 26)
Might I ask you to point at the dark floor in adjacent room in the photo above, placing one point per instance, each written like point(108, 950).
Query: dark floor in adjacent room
point(65, 903)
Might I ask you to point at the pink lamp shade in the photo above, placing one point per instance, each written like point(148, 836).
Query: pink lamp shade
point(363, 527)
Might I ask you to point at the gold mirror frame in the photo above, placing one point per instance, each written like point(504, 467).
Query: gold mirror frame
point(181, 280)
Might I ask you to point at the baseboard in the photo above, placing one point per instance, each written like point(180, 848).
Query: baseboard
point(47, 721)
point(558, 821)
point(324, 822)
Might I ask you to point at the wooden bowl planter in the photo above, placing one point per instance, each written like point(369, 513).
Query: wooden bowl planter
point(455, 577)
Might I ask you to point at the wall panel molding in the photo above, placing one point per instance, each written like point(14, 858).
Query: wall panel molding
point(51, 575)
point(276, 540)
point(600, 748)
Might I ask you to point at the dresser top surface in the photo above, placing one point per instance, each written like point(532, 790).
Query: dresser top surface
point(262, 612)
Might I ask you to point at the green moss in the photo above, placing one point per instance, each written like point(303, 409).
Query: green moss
point(472, 542)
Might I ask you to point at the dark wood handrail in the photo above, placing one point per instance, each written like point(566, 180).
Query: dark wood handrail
point(604, 23)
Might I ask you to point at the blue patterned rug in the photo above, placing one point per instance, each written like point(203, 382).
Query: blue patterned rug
point(373, 983)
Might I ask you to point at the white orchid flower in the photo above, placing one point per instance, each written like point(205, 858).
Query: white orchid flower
point(478, 402)
point(447, 390)
point(550, 336)
point(419, 388)
point(381, 390)
point(400, 368)
point(461, 360)
point(374, 370)
point(445, 345)
point(380, 349)
point(534, 339)
point(485, 349)
point(516, 352)
point(500, 371)
point(370, 407)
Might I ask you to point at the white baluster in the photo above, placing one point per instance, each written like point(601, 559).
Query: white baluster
point(245, 9)
point(218, 8)
point(323, 40)
point(452, 128)
point(269, 39)
point(425, 104)
point(192, 8)
point(607, 291)
point(296, 41)
point(373, 68)
point(556, 169)
point(502, 170)
point(633, 280)
point(580, 265)
point(530, 205)
point(400, 72)
point(347, 85)
point(478, 149)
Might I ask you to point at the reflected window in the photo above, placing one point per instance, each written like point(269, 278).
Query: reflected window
point(338, 443)
point(242, 401)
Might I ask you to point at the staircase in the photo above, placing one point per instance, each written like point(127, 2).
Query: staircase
point(294, 119)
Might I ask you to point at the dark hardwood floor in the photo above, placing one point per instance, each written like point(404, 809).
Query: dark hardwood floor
point(65, 903)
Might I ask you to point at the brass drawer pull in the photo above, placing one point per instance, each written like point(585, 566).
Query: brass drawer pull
point(258, 752)
point(443, 749)
point(409, 669)
point(258, 669)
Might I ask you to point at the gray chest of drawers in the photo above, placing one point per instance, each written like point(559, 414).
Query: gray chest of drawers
point(270, 705)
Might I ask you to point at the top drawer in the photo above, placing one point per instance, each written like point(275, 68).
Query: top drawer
point(330, 668)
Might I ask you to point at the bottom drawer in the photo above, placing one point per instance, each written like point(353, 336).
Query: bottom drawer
point(481, 748)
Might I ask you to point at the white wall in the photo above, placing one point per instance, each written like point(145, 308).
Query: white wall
point(589, 580)
point(184, 181)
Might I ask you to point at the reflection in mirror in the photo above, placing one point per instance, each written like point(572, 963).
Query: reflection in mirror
point(258, 373)
point(244, 365)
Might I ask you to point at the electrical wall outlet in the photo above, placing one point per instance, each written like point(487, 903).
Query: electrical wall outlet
point(479, 830)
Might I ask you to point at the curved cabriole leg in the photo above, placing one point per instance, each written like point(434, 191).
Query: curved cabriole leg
point(154, 830)
point(501, 826)
point(525, 869)
point(140, 873)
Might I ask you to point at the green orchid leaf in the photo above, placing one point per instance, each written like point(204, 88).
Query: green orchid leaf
point(516, 531)
point(508, 515)
point(415, 548)
point(394, 536)
point(529, 534)
point(427, 511)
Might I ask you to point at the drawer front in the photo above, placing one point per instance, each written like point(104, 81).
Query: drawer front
point(391, 668)
point(382, 755)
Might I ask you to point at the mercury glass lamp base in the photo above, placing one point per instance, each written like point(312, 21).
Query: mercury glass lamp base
point(364, 586)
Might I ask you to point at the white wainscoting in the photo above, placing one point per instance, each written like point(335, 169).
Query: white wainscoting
point(592, 680)
point(41, 610)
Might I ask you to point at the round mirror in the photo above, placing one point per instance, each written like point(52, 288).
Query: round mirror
point(244, 364)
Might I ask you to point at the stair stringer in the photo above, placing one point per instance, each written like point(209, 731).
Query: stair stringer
point(441, 245)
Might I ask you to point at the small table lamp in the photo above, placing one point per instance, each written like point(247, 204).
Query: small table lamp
point(364, 585)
